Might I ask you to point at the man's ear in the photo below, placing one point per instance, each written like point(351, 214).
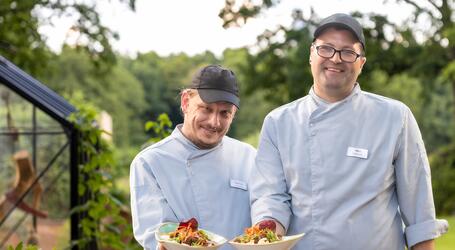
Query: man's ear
point(311, 52)
point(184, 100)
point(364, 60)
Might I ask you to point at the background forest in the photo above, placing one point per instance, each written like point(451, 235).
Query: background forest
point(404, 62)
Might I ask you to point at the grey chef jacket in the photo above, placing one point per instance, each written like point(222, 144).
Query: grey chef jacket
point(174, 180)
point(349, 174)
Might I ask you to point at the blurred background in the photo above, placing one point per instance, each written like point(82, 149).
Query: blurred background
point(130, 58)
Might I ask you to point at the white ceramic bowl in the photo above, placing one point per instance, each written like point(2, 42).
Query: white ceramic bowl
point(286, 243)
point(162, 236)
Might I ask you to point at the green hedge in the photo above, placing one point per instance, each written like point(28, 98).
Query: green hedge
point(442, 164)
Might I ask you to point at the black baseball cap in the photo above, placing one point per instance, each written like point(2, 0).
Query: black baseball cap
point(342, 21)
point(216, 84)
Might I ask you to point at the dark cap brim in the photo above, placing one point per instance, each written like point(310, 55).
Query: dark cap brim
point(322, 28)
point(215, 95)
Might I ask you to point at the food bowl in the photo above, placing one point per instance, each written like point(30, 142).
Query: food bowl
point(162, 236)
point(284, 244)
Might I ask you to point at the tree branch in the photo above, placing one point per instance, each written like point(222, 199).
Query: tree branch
point(420, 9)
point(436, 6)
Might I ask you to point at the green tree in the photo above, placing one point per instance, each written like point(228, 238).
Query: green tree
point(253, 105)
point(21, 42)
point(434, 117)
point(438, 54)
point(119, 92)
point(443, 170)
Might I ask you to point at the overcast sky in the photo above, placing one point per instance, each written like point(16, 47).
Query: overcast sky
point(193, 26)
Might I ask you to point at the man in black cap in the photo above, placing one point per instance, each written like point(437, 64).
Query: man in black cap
point(198, 171)
point(347, 167)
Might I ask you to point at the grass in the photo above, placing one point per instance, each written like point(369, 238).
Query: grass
point(64, 235)
point(447, 241)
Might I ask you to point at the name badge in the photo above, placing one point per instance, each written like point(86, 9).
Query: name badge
point(357, 152)
point(239, 184)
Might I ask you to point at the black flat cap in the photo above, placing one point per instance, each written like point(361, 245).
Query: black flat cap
point(216, 84)
point(344, 21)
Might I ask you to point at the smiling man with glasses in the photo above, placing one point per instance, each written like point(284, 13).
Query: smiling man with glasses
point(345, 166)
point(336, 58)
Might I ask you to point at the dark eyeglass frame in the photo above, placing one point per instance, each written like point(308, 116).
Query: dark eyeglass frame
point(317, 47)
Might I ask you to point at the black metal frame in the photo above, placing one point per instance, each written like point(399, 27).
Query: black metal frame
point(59, 109)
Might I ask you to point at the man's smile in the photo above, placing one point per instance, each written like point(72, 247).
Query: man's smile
point(331, 69)
point(210, 130)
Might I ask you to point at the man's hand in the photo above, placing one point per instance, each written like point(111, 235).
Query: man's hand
point(424, 245)
point(272, 225)
point(161, 247)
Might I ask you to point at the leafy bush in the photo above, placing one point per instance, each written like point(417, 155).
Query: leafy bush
point(442, 163)
point(21, 246)
point(161, 128)
point(108, 220)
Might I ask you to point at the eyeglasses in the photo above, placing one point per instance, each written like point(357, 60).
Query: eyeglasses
point(328, 52)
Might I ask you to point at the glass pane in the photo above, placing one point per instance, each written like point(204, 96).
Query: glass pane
point(32, 145)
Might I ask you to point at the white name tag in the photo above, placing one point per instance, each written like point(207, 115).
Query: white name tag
point(239, 184)
point(357, 152)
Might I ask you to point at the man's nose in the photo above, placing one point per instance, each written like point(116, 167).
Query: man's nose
point(214, 120)
point(336, 58)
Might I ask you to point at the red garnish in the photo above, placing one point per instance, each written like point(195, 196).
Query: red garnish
point(270, 224)
point(191, 223)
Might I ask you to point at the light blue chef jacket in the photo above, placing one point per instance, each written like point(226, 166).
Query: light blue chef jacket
point(174, 180)
point(350, 174)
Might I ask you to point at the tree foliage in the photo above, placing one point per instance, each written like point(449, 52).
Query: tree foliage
point(119, 92)
point(249, 117)
point(443, 174)
point(235, 14)
point(21, 42)
point(161, 128)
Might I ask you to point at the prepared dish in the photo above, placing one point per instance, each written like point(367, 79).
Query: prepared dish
point(258, 235)
point(188, 233)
